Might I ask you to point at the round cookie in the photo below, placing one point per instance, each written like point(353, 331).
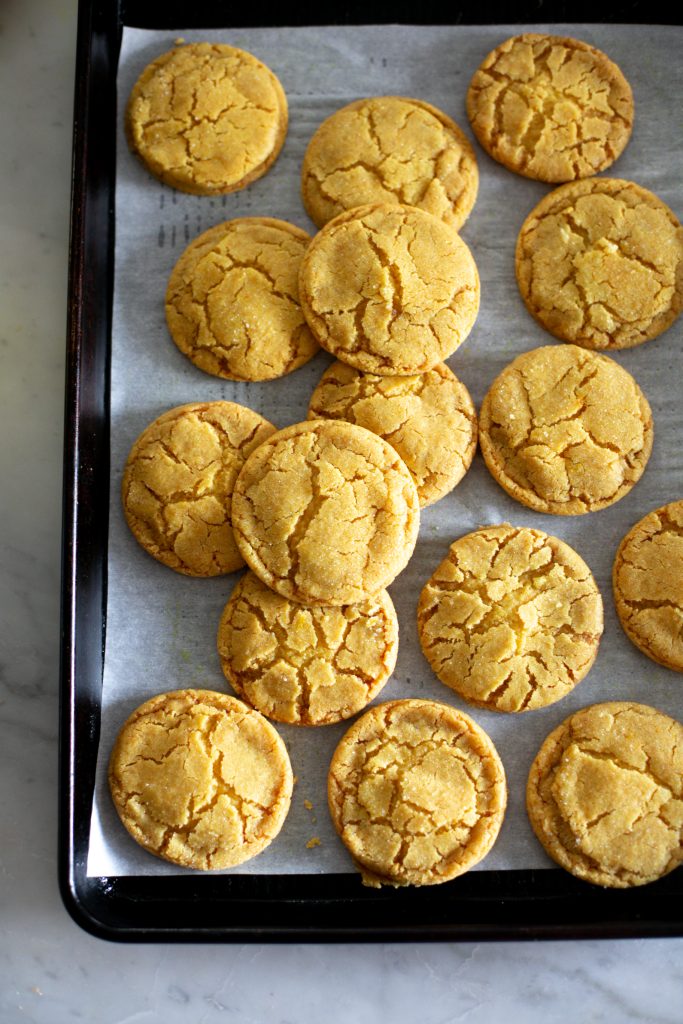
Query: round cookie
point(428, 418)
point(511, 619)
point(325, 513)
point(648, 585)
point(207, 118)
point(200, 779)
point(389, 149)
point(605, 794)
point(305, 666)
point(550, 108)
point(178, 482)
point(389, 289)
point(565, 431)
point(416, 792)
point(232, 302)
point(600, 263)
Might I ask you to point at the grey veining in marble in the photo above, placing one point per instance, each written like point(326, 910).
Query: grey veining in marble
point(50, 971)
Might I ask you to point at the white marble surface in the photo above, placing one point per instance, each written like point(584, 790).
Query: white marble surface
point(50, 971)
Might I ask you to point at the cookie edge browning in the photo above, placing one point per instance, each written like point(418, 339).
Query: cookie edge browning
point(497, 815)
point(168, 178)
point(226, 703)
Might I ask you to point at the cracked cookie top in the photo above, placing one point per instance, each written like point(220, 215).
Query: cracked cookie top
point(232, 302)
point(178, 481)
point(389, 289)
point(416, 792)
point(207, 118)
point(389, 149)
point(200, 779)
point(565, 431)
point(648, 585)
point(428, 418)
point(600, 263)
point(550, 108)
point(511, 620)
point(326, 513)
point(605, 794)
point(306, 666)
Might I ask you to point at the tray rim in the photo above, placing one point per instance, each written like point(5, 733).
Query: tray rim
point(487, 905)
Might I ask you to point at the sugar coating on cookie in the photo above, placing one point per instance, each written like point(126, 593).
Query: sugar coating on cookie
point(232, 302)
point(600, 263)
point(550, 108)
point(178, 481)
point(605, 794)
point(648, 585)
point(389, 149)
point(200, 779)
point(326, 513)
point(305, 666)
point(565, 431)
point(389, 289)
point(416, 792)
point(511, 619)
point(207, 118)
point(428, 418)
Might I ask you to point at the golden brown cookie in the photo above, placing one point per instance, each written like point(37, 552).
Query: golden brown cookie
point(178, 481)
point(305, 666)
point(200, 779)
point(232, 302)
point(605, 794)
point(428, 418)
point(600, 263)
point(325, 513)
point(207, 118)
point(389, 289)
point(389, 149)
point(416, 792)
point(565, 431)
point(511, 619)
point(648, 585)
point(550, 108)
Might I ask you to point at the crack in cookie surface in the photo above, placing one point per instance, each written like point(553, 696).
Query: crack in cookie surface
point(605, 794)
point(600, 263)
point(301, 665)
point(178, 482)
point(416, 792)
point(550, 107)
point(326, 513)
point(511, 620)
point(428, 418)
point(565, 431)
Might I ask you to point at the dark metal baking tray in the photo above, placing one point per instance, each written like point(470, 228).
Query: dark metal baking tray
point(314, 908)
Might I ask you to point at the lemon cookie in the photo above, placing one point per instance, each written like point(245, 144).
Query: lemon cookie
point(648, 585)
point(600, 263)
point(550, 108)
point(565, 431)
point(178, 481)
point(416, 792)
point(389, 149)
point(306, 666)
point(326, 513)
point(389, 289)
point(511, 619)
point(428, 418)
point(200, 779)
point(605, 794)
point(232, 302)
point(207, 118)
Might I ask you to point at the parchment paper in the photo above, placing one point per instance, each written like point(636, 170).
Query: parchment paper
point(161, 626)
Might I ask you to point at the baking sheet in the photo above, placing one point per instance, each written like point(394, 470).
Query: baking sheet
point(161, 626)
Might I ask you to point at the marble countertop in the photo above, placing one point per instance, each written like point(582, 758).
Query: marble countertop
point(50, 971)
